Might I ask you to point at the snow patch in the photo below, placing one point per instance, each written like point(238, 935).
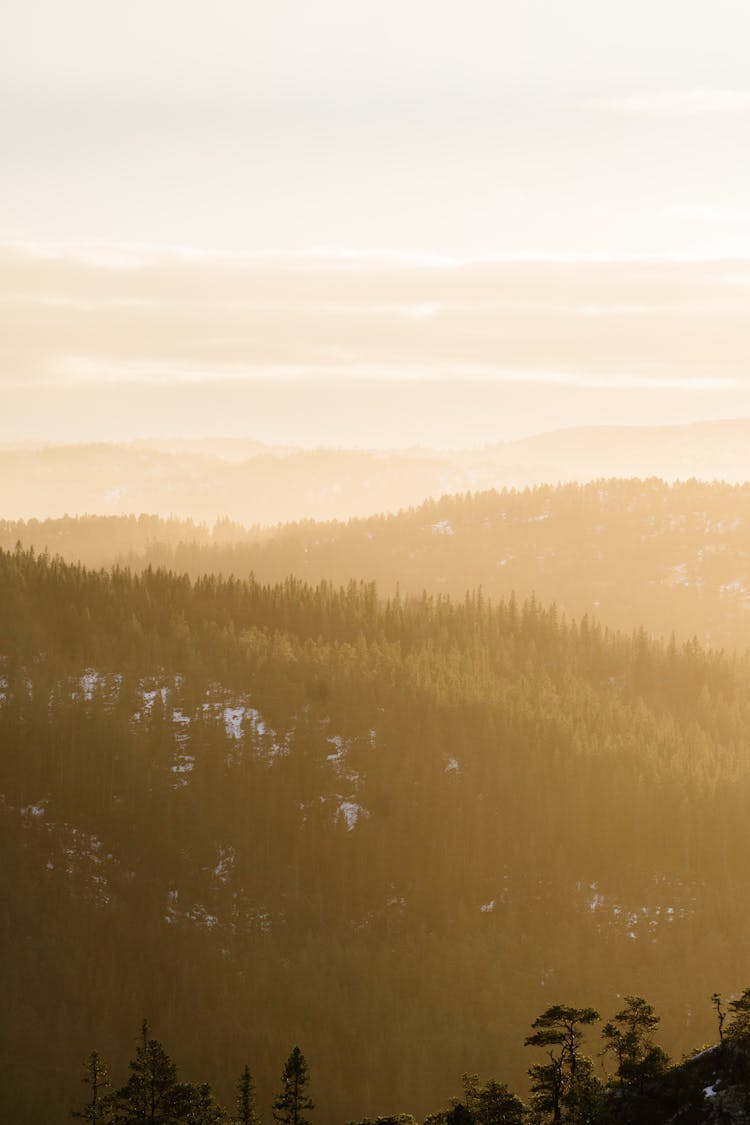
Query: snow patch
point(223, 869)
point(89, 680)
point(183, 764)
point(233, 717)
point(339, 748)
point(351, 812)
point(34, 810)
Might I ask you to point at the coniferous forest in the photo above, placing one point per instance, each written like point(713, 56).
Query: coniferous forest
point(389, 828)
point(375, 563)
point(669, 557)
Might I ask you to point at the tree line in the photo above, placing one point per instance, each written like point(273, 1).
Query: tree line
point(153, 1094)
point(638, 1085)
point(668, 557)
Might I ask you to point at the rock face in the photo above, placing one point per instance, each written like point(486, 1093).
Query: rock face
point(712, 1087)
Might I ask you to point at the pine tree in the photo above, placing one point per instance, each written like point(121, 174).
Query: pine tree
point(245, 1113)
point(293, 1101)
point(151, 1093)
point(202, 1107)
point(629, 1036)
point(97, 1110)
point(738, 1028)
point(564, 1089)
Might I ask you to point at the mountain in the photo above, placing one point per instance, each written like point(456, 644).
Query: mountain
point(257, 484)
point(387, 830)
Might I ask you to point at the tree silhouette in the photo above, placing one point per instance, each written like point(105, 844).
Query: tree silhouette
point(293, 1101)
point(245, 1113)
point(97, 1110)
point(151, 1093)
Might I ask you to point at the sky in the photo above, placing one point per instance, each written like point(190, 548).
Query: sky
point(203, 205)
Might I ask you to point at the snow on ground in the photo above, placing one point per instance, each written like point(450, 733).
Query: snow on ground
point(150, 696)
point(223, 869)
point(202, 917)
point(351, 812)
point(181, 722)
point(735, 587)
point(183, 764)
point(678, 575)
point(34, 810)
point(635, 921)
point(233, 717)
point(339, 748)
point(89, 680)
point(443, 527)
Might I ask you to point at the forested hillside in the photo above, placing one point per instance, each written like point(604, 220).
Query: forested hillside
point(387, 829)
point(670, 558)
point(261, 484)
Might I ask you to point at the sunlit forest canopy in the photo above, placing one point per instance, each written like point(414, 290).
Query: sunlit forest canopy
point(293, 811)
point(672, 558)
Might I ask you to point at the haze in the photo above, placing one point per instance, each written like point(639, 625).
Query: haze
point(374, 562)
point(370, 225)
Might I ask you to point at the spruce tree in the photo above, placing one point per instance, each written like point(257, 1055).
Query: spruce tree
point(244, 1112)
point(98, 1109)
point(202, 1107)
point(151, 1093)
point(293, 1101)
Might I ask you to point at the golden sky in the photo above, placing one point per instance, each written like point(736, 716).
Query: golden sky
point(552, 198)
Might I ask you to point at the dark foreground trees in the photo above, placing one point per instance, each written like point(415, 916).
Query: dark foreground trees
point(244, 1110)
point(294, 1102)
point(152, 1094)
point(711, 1085)
point(564, 1088)
point(96, 1077)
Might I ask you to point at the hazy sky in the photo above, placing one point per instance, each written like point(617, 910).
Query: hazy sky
point(204, 195)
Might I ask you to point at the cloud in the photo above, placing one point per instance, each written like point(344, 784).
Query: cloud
point(707, 213)
point(103, 370)
point(677, 102)
point(68, 320)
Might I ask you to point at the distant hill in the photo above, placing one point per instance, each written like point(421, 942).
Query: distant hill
point(253, 484)
point(668, 558)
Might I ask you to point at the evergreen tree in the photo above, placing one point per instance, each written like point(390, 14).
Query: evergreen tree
point(565, 1088)
point(151, 1093)
point(293, 1101)
point(496, 1105)
point(491, 1104)
point(96, 1076)
point(245, 1112)
point(547, 1086)
point(629, 1036)
point(738, 1027)
point(202, 1107)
